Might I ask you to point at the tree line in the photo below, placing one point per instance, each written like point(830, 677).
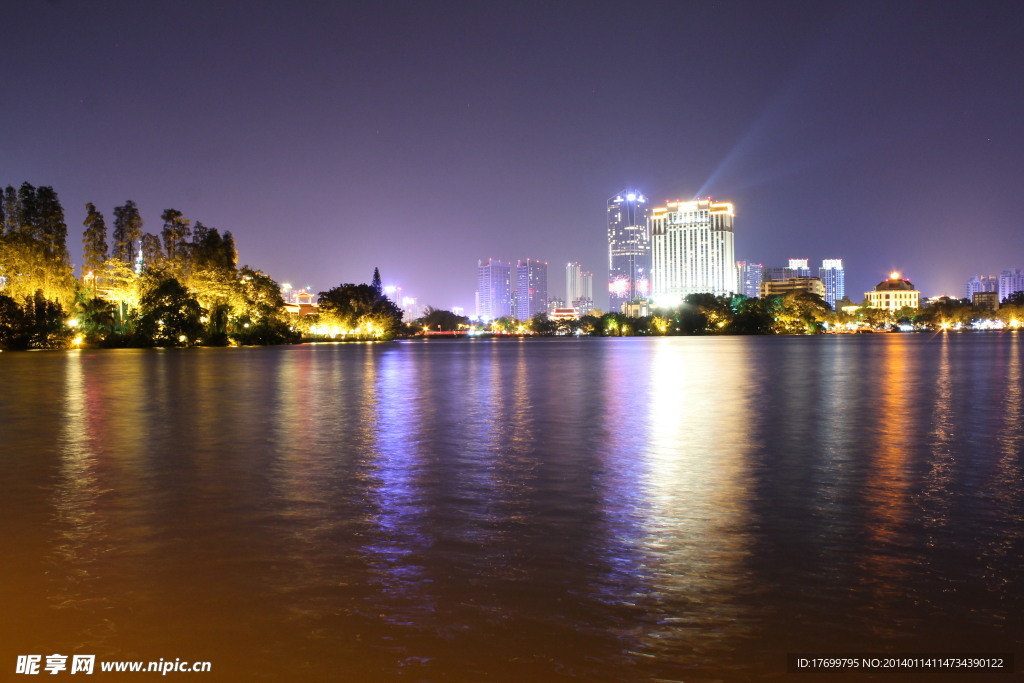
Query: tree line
point(180, 286)
point(702, 314)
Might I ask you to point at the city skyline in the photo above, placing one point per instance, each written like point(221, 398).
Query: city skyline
point(504, 129)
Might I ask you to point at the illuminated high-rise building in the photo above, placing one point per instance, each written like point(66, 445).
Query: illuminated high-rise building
point(981, 283)
point(1010, 281)
point(692, 250)
point(629, 248)
point(833, 277)
point(494, 289)
point(531, 288)
point(749, 276)
point(579, 288)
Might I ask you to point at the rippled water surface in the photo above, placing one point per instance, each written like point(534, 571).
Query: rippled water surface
point(604, 509)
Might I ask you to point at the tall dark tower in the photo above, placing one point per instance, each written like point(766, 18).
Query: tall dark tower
point(629, 249)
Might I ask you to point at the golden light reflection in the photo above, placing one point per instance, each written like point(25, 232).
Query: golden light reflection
point(697, 487)
point(887, 482)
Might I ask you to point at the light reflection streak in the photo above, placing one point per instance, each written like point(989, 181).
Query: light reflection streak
point(697, 491)
point(82, 518)
point(395, 553)
point(938, 481)
point(885, 562)
point(1004, 549)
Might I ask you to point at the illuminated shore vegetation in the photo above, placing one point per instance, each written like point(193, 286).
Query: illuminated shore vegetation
point(707, 314)
point(176, 288)
point(182, 287)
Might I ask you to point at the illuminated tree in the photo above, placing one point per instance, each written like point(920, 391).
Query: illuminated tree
point(33, 252)
point(152, 254)
point(11, 209)
point(437, 319)
point(94, 240)
point(362, 310)
point(801, 313)
point(127, 231)
point(752, 316)
point(97, 319)
point(715, 310)
point(168, 314)
point(210, 250)
point(175, 233)
point(28, 212)
point(14, 332)
point(542, 325)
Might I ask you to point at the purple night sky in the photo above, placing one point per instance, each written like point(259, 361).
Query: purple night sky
point(420, 136)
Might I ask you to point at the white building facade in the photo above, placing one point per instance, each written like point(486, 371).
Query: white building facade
point(692, 250)
point(579, 288)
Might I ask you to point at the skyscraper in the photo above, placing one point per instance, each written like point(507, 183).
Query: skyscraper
point(629, 248)
point(749, 278)
point(579, 288)
point(494, 289)
point(833, 277)
point(692, 246)
point(531, 289)
point(1010, 281)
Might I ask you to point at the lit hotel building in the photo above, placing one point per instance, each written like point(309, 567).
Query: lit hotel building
point(494, 289)
point(531, 288)
point(893, 294)
point(629, 248)
point(692, 247)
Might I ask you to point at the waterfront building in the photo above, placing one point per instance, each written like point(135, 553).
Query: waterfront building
point(749, 276)
point(981, 283)
point(798, 267)
point(494, 289)
point(629, 248)
point(1010, 281)
point(893, 294)
point(793, 284)
point(562, 314)
point(833, 277)
point(986, 301)
point(692, 250)
point(531, 288)
point(579, 288)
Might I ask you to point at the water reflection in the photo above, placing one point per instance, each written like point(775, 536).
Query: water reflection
point(885, 560)
point(624, 509)
point(696, 489)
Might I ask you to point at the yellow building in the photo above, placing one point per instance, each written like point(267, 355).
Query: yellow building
point(813, 285)
point(893, 294)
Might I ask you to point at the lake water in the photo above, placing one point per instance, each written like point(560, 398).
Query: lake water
point(601, 509)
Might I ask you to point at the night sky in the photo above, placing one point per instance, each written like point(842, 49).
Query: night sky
point(420, 136)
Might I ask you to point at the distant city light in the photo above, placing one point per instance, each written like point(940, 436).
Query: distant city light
point(894, 275)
